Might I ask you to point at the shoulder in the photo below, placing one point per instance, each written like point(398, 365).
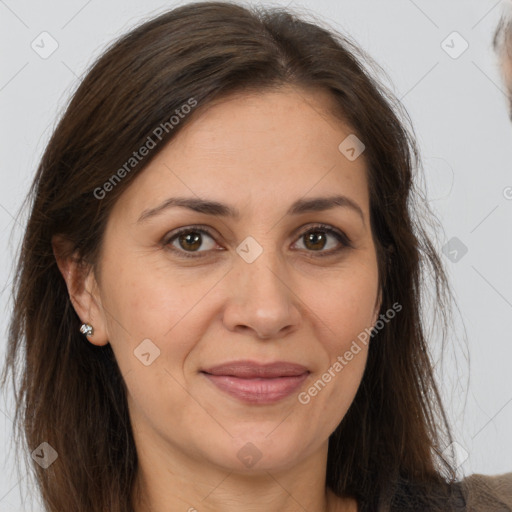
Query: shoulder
point(474, 493)
point(489, 493)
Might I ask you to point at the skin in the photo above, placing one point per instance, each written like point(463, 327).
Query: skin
point(505, 59)
point(258, 153)
point(506, 67)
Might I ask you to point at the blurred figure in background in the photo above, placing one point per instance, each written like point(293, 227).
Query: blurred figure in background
point(503, 46)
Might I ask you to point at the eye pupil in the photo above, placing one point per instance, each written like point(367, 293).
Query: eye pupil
point(314, 237)
point(194, 238)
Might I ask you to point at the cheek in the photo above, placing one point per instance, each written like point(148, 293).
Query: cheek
point(148, 300)
point(152, 332)
point(344, 305)
point(344, 311)
point(140, 305)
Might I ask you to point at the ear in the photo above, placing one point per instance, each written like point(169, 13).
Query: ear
point(82, 288)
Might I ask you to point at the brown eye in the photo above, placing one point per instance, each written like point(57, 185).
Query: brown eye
point(316, 239)
point(321, 239)
point(188, 241)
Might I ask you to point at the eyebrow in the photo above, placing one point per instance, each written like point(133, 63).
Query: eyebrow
point(208, 207)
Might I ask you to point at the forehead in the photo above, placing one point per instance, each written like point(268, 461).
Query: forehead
point(256, 151)
point(287, 115)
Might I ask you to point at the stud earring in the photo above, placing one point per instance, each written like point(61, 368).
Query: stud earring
point(86, 329)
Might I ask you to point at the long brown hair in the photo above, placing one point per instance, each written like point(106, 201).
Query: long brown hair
point(71, 394)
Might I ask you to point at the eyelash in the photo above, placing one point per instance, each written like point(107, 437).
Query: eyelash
point(339, 235)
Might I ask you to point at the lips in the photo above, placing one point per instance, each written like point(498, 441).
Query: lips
point(256, 383)
point(254, 370)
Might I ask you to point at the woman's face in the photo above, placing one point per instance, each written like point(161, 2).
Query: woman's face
point(253, 287)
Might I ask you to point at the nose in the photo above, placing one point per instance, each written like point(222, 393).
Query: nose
point(261, 299)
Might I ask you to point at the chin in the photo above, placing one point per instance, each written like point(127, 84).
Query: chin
point(254, 452)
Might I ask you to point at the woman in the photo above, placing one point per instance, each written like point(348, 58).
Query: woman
point(218, 299)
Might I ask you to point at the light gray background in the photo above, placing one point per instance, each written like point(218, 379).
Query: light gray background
point(459, 112)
